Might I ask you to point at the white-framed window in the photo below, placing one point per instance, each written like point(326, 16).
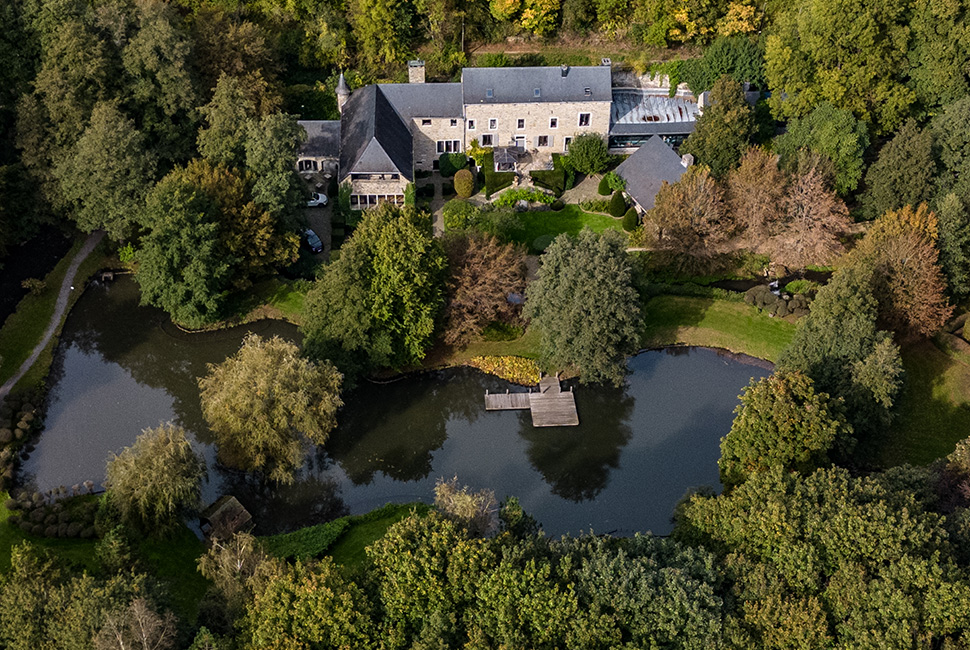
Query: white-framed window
point(426, 122)
point(306, 165)
point(471, 125)
point(454, 122)
point(520, 123)
point(486, 139)
point(542, 141)
point(553, 122)
point(565, 143)
point(584, 119)
point(492, 123)
point(449, 146)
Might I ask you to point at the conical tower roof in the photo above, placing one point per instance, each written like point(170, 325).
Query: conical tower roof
point(342, 87)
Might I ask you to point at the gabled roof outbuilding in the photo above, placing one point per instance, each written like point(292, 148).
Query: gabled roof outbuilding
point(374, 138)
point(646, 170)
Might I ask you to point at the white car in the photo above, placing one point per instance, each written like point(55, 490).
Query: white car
point(316, 200)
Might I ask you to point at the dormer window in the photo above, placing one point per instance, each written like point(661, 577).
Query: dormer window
point(489, 93)
point(536, 93)
point(589, 92)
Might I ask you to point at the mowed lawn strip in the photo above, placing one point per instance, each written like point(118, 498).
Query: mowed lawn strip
point(734, 326)
point(571, 219)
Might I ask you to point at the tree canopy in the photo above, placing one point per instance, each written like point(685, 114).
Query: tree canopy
point(724, 130)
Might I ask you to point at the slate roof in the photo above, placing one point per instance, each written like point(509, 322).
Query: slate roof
point(425, 99)
point(323, 138)
point(373, 137)
point(638, 112)
point(646, 170)
point(518, 85)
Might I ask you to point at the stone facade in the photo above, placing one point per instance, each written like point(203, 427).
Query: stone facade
point(537, 117)
point(427, 136)
point(376, 188)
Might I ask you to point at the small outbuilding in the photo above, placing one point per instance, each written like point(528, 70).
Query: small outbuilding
point(646, 170)
point(225, 517)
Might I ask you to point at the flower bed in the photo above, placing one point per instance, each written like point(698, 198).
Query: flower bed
point(517, 370)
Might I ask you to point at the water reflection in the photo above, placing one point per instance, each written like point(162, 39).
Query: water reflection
point(121, 368)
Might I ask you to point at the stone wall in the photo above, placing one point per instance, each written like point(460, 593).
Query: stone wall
point(425, 138)
point(536, 116)
point(378, 186)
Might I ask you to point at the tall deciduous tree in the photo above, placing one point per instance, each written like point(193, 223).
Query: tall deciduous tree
point(903, 174)
point(108, 174)
point(271, 149)
point(724, 130)
point(227, 120)
point(832, 133)
point(137, 627)
point(783, 422)
point(382, 29)
point(951, 130)
point(259, 401)
point(954, 243)
point(689, 221)
point(815, 219)
point(482, 273)
point(158, 480)
point(939, 52)
point(851, 55)
point(585, 306)
point(588, 153)
point(755, 196)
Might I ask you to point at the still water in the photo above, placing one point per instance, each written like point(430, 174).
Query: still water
point(121, 367)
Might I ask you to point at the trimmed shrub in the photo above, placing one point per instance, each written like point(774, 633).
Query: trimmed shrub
point(617, 205)
point(11, 504)
point(631, 220)
point(459, 214)
point(425, 191)
point(595, 206)
point(495, 181)
point(6, 435)
point(604, 187)
point(464, 183)
point(449, 163)
point(50, 531)
point(532, 196)
point(541, 243)
point(74, 529)
point(308, 542)
point(447, 189)
point(87, 533)
point(557, 205)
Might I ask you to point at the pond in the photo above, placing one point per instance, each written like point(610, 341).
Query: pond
point(121, 367)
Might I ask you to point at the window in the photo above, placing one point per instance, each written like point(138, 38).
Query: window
point(454, 122)
point(486, 139)
point(425, 122)
point(471, 125)
point(488, 93)
point(449, 146)
point(520, 123)
point(492, 124)
point(565, 144)
point(307, 165)
point(584, 119)
point(553, 122)
point(588, 92)
point(542, 141)
point(536, 93)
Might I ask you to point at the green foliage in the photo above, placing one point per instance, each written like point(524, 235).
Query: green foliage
point(494, 181)
point(833, 133)
point(783, 422)
point(838, 346)
point(261, 399)
point(631, 220)
point(615, 182)
point(588, 153)
point(450, 163)
point(954, 243)
point(617, 205)
point(511, 197)
point(157, 481)
point(227, 120)
point(951, 131)
point(739, 57)
point(376, 305)
point(589, 270)
point(464, 183)
point(604, 187)
point(904, 172)
point(724, 131)
point(306, 543)
point(271, 150)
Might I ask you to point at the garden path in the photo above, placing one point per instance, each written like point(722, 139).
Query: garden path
point(586, 190)
point(67, 286)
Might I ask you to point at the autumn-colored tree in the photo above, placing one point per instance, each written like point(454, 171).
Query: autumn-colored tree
point(814, 219)
point(482, 272)
point(907, 279)
point(261, 399)
point(689, 221)
point(755, 196)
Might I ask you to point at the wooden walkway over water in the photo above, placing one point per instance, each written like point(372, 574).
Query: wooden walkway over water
point(550, 406)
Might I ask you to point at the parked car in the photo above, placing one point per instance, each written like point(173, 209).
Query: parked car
point(312, 241)
point(316, 200)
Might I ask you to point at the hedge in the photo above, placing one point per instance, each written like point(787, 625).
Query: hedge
point(495, 181)
point(308, 542)
point(512, 197)
point(449, 163)
point(556, 179)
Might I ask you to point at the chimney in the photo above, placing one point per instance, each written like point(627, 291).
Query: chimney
point(687, 160)
point(565, 69)
point(343, 93)
point(416, 72)
point(607, 62)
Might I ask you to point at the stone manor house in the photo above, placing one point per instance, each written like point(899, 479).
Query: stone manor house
point(388, 131)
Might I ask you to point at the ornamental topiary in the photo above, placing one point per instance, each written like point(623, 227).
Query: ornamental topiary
point(617, 205)
point(464, 183)
point(604, 187)
point(631, 220)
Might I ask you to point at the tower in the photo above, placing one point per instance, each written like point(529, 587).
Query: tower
point(343, 93)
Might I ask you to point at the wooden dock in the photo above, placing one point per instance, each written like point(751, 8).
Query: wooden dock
point(550, 406)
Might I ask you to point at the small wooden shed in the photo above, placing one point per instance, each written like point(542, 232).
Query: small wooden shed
point(225, 517)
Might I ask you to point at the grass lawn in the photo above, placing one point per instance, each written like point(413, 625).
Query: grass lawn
point(349, 549)
point(933, 411)
point(734, 326)
point(173, 560)
point(571, 219)
point(77, 551)
point(281, 298)
point(526, 346)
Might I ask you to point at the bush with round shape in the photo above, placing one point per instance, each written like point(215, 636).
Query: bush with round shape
point(617, 205)
point(74, 529)
point(557, 205)
point(631, 220)
point(6, 435)
point(25, 525)
point(19, 434)
point(87, 533)
point(37, 516)
point(542, 242)
point(464, 183)
point(62, 530)
point(11, 504)
point(604, 187)
point(50, 520)
point(50, 531)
